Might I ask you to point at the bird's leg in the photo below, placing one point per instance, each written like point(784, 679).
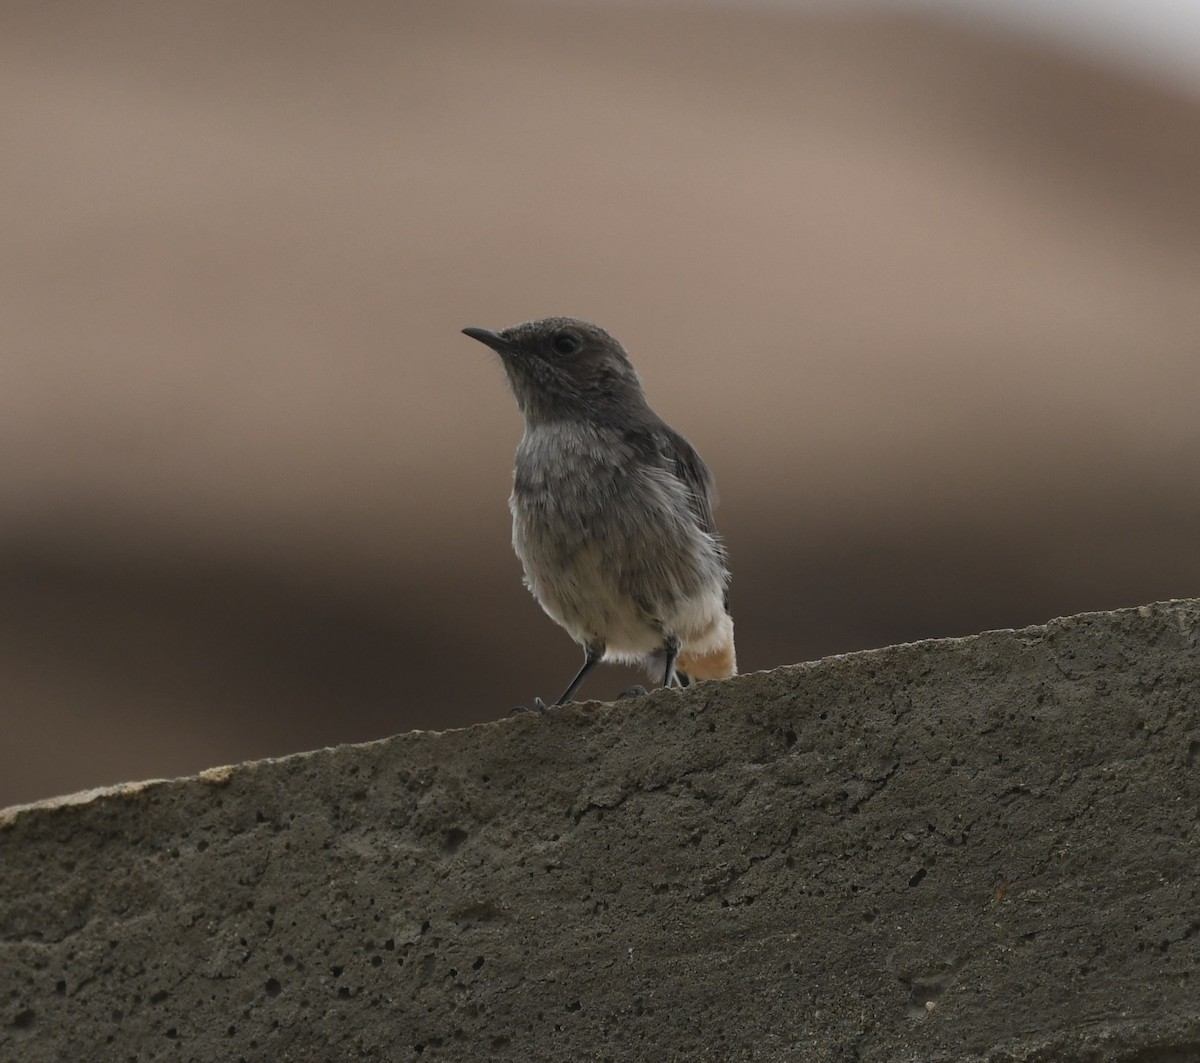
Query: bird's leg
point(590, 660)
point(671, 649)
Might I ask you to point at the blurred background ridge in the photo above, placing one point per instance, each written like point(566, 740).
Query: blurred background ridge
point(922, 293)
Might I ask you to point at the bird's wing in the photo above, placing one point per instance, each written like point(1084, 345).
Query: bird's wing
point(690, 469)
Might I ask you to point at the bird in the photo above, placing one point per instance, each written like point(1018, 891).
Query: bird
point(612, 509)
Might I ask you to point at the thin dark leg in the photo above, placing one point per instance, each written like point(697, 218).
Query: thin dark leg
point(671, 649)
point(594, 653)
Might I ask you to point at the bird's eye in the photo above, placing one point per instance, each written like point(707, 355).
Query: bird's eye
point(565, 343)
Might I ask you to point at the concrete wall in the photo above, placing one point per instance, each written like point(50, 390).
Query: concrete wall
point(983, 848)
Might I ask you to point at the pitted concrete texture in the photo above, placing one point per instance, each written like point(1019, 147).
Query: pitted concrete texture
point(977, 849)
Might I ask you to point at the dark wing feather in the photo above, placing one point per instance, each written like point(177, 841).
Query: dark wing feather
point(660, 444)
point(689, 467)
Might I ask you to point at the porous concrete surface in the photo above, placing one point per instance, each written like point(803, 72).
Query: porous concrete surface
point(974, 849)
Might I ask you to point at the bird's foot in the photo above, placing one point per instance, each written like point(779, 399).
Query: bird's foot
point(633, 692)
point(539, 706)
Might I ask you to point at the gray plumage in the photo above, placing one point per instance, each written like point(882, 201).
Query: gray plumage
point(612, 508)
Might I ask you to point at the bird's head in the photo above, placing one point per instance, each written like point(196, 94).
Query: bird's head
point(561, 368)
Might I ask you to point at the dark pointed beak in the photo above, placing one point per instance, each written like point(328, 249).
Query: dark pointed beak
point(487, 336)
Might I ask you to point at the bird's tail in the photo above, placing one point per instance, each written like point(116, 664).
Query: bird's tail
point(719, 664)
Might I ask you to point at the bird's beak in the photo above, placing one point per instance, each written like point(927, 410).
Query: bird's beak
point(487, 336)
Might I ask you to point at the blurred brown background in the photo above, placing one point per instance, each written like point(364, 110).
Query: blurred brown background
point(924, 295)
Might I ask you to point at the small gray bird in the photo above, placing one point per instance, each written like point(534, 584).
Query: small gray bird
point(612, 509)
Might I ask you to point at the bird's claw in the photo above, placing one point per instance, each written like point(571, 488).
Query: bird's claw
point(633, 692)
point(539, 706)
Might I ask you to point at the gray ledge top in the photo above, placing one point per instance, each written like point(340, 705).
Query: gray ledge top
point(972, 849)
